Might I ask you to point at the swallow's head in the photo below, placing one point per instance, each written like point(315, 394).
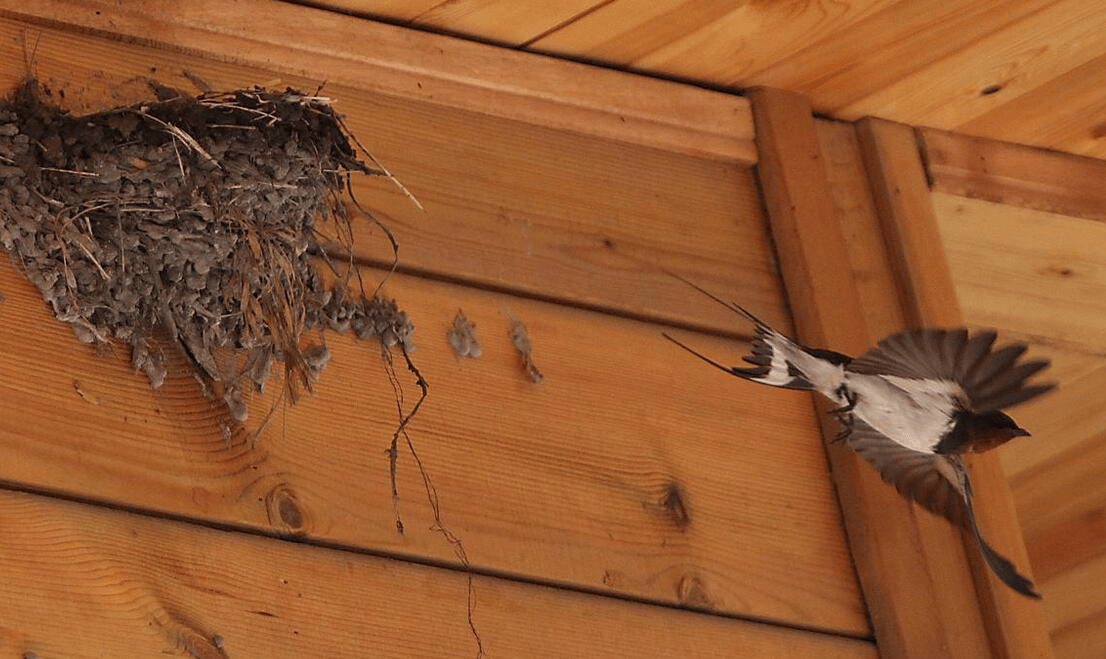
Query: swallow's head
point(997, 422)
point(991, 428)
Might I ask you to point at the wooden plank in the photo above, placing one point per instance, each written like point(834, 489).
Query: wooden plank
point(1057, 480)
point(899, 584)
point(553, 214)
point(1023, 269)
point(504, 22)
point(872, 47)
point(1020, 54)
point(624, 32)
point(398, 62)
point(1014, 175)
point(855, 210)
point(402, 11)
point(878, 289)
point(82, 582)
point(991, 68)
point(566, 481)
point(1072, 416)
point(1078, 626)
point(1015, 624)
point(1076, 126)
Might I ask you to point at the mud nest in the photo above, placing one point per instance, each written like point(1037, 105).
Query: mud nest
point(197, 223)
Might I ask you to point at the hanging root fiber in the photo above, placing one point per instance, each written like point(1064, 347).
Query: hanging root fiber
point(191, 223)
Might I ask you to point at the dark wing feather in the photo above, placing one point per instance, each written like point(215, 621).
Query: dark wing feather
point(927, 479)
point(991, 378)
point(939, 484)
point(917, 353)
point(972, 353)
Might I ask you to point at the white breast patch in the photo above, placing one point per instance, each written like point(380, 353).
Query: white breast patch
point(914, 413)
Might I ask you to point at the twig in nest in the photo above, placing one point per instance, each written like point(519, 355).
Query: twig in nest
point(384, 228)
point(428, 484)
point(376, 163)
point(184, 137)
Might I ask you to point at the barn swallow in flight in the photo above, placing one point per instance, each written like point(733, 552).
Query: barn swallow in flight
point(911, 406)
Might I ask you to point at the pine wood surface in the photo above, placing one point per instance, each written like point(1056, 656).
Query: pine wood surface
point(1015, 175)
point(511, 205)
point(949, 619)
point(83, 582)
point(1037, 272)
point(686, 487)
point(329, 47)
point(993, 68)
point(1023, 269)
point(1016, 625)
point(912, 568)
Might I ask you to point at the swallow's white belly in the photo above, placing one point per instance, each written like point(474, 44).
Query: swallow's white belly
point(913, 413)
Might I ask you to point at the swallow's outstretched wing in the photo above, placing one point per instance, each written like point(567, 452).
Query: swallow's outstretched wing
point(990, 377)
point(939, 483)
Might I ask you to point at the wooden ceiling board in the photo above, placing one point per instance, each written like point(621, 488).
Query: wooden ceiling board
point(1015, 175)
point(507, 22)
point(1060, 422)
point(866, 53)
point(1066, 113)
point(1027, 270)
point(623, 32)
point(1026, 71)
point(1076, 615)
point(392, 10)
point(1017, 57)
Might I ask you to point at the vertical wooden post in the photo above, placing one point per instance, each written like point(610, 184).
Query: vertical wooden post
point(913, 568)
point(1016, 625)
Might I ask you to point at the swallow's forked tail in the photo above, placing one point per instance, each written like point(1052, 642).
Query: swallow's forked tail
point(999, 564)
point(777, 360)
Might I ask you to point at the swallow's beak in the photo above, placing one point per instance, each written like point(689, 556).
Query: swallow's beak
point(1020, 432)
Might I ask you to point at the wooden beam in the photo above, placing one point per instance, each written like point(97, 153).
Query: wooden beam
point(1015, 175)
point(82, 581)
point(1016, 624)
point(914, 602)
point(328, 47)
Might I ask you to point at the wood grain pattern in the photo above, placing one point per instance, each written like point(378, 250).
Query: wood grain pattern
point(1077, 624)
point(1076, 126)
point(717, 498)
point(1015, 175)
point(877, 285)
point(506, 22)
point(902, 199)
point(1036, 272)
point(393, 61)
point(82, 582)
point(509, 205)
point(1057, 481)
point(1072, 418)
point(992, 68)
point(1016, 625)
point(916, 611)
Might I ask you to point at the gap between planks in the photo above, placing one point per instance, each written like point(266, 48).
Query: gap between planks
point(137, 586)
point(415, 559)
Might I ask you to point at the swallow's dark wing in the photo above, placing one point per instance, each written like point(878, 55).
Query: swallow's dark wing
point(939, 484)
point(989, 376)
